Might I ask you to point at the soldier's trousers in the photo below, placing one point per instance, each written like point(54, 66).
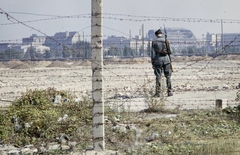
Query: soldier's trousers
point(167, 73)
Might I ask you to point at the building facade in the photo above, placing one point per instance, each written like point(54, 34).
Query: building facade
point(61, 40)
point(34, 40)
point(137, 45)
point(5, 46)
point(179, 38)
point(226, 42)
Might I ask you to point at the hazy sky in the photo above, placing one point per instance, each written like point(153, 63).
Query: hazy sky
point(46, 16)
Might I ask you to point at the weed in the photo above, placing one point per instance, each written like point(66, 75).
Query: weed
point(34, 118)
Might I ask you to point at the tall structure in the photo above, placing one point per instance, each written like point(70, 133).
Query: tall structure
point(97, 78)
point(228, 41)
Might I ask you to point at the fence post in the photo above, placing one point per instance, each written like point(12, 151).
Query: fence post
point(219, 103)
point(97, 79)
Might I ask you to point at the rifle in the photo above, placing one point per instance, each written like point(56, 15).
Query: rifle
point(168, 47)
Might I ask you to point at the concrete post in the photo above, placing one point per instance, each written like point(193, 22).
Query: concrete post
point(219, 103)
point(97, 79)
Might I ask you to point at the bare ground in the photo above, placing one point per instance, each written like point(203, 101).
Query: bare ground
point(197, 81)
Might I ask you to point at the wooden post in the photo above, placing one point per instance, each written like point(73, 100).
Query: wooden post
point(97, 79)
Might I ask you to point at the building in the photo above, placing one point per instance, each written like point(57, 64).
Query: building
point(5, 46)
point(138, 45)
point(34, 40)
point(179, 38)
point(39, 48)
point(10, 46)
point(61, 40)
point(228, 42)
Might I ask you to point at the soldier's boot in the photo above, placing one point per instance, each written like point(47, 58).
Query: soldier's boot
point(170, 93)
point(169, 87)
point(158, 88)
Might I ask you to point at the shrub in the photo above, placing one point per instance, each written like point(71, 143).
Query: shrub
point(34, 118)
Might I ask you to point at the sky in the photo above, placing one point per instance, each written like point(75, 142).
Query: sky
point(121, 17)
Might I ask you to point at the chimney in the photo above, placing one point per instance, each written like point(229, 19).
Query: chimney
point(67, 34)
point(140, 34)
point(130, 35)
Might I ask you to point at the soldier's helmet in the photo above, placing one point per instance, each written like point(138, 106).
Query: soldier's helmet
point(158, 32)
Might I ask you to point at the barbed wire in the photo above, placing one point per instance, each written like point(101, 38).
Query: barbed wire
point(183, 102)
point(133, 18)
point(121, 78)
point(196, 61)
point(118, 43)
point(158, 18)
point(108, 66)
point(117, 79)
point(141, 103)
point(173, 37)
point(53, 18)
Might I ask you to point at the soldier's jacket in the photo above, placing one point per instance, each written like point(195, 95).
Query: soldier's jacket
point(159, 52)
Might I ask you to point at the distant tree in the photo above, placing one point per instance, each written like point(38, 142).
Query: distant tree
point(10, 54)
point(75, 53)
point(81, 49)
point(114, 51)
point(32, 52)
point(47, 54)
point(229, 49)
point(149, 48)
point(191, 49)
point(127, 52)
point(2, 55)
point(67, 52)
point(184, 51)
point(39, 54)
point(202, 50)
point(58, 53)
point(141, 50)
point(26, 55)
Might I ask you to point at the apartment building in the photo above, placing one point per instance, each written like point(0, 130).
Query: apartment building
point(221, 42)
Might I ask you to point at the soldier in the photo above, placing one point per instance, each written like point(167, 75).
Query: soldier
point(161, 62)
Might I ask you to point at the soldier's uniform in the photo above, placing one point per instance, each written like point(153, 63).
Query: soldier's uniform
point(161, 63)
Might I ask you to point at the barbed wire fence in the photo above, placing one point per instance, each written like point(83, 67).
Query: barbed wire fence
point(128, 76)
point(149, 18)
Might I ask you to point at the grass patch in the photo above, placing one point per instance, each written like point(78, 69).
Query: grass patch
point(191, 132)
point(35, 118)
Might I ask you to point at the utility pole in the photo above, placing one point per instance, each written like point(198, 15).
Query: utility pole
point(222, 39)
point(216, 44)
point(143, 39)
point(136, 46)
point(10, 57)
point(97, 79)
point(84, 49)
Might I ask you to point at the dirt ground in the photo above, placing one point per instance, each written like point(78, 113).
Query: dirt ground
point(196, 80)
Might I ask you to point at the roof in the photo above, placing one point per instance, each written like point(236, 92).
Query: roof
point(64, 34)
